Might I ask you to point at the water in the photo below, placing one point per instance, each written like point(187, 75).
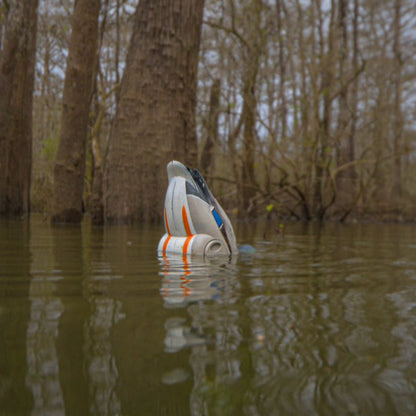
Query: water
point(317, 321)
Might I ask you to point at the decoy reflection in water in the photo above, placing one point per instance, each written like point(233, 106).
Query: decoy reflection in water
point(184, 282)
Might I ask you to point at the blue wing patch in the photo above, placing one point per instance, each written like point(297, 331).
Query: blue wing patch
point(217, 217)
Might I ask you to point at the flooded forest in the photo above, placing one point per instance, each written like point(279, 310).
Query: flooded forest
point(300, 115)
point(290, 109)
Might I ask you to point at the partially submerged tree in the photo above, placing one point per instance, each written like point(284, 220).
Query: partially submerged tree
point(70, 160)
point(17, 64)
point(155, 119)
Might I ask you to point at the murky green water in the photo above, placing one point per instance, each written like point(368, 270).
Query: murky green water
point(320, 321)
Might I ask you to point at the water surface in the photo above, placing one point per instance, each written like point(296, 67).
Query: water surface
point(318, 321)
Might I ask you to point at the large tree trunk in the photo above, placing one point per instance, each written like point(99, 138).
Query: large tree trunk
point(17, 63)
point(155, 119)
point(70, 160)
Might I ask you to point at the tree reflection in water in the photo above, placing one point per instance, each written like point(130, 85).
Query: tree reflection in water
point(63, 337)
point(100, 361)
point(105, 312)
point(42, 359)
point(46, 309)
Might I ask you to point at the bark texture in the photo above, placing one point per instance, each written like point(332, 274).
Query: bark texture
point(17, 63)
point(155, 119)
point(69, 169)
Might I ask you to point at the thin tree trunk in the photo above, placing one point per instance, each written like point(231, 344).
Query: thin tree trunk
point(354, 93)
point(343, 152)
point(96, 207)
point(117, 51)
point(96, 203)
point(281, 119)
point(249, 140)
point(324, 132)
point(347, 179)
point(211, 140)
point(307, 120)
point(397, 114)
point(251, 67)
point(280, 9)
point(17, 63)
point(69, 173)
point(155, 119)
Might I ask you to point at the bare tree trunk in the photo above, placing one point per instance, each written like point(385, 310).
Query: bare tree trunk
point(249, 140)
point(281, 122)
point(96, 203)
point(253, 48)
point(280, 9)
point(397, 112)
point(155, 119)
point(117, 51)
point(354, 94)
point(324, 132)
point(307, 109)
point(70, 159)
point(96, 207)
point(4, 11)
point(17, 63)
point(350, 191)
point(344, 139)
point(206, 163)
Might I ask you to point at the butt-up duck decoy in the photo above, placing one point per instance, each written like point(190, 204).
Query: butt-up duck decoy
point(195, 223)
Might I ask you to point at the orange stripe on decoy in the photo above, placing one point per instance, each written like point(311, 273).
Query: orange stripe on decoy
point(166, 222)
point(165, 245)
point(186, 222)
point(185, 246)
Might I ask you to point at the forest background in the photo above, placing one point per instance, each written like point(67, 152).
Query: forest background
point(301, 109)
